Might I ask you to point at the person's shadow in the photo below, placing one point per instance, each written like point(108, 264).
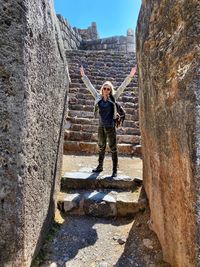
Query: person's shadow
point(75, 233)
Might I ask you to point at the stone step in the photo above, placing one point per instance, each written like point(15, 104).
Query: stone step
point(133, 124)
point(128, 139)
point(92, 148)
point(84, 128)
point(82, 89)
point(90, 114)
point(97, 82)
point(126, 101)
point(91, 137)
point(78, 107)
point(104, 203)
point(128, 131)
point(114, 76)
point(111, 74)
point(97, 60)
point(97, 67)
point(98, 64)
point(90, 102)
point(79, 136)
point(100, 53)
point(81, 101)
point(81, 114)
point(86, 179)
point(84, 121)
point(87, 121)
point(109, 59)
point(114, 73)
point(115, 67)
point(94, 129)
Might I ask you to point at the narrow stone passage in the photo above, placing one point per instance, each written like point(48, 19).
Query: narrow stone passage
point(84, 241)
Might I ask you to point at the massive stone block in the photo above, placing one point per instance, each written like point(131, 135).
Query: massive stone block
point(33, 89)
point(168, 54)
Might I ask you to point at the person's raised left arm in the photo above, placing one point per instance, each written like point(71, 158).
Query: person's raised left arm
point(125, 82)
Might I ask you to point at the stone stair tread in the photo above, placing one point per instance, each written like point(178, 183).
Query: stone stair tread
point(91, 148)
point(83, 129)
point(95, 143)
point(89, 175)
point(79, 120)
point(88, 179)
point(102, 203)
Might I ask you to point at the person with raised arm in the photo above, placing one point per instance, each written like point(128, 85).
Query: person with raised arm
point(105, 104)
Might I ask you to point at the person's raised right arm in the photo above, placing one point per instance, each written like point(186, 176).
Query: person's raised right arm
point(87, 83)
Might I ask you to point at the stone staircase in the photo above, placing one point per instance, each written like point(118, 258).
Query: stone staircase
point(84, 192)
point(81, 126)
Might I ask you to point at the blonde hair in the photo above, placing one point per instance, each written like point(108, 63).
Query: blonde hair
point(112, 92)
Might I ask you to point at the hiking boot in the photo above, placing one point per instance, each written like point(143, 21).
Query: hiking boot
point(98, 169)
point(115, 164)
point(114, 174)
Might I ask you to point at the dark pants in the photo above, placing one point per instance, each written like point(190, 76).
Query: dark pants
point(109, 133)
point(105, 133)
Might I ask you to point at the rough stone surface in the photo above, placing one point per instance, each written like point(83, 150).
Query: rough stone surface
point(99, 204)
point(102, 203)
point(33, 83)
point(131, 166)
point(84, 180)
point(129, 203)
point(168, 56)
point(75, 147)
point(71, 38)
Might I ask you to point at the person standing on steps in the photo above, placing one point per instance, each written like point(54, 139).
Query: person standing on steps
point(105, 103)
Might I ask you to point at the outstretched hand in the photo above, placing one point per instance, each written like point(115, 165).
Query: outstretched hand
point(133, 71)
point(82, 71)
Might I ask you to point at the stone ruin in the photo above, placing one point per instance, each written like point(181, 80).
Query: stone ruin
point(88, 39)
point(34, 82)
point(90, 33)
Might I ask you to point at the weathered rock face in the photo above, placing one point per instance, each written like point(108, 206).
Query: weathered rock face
point(168, 35)
point(33, 84)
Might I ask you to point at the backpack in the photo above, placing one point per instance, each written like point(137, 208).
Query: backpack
point(121, 114)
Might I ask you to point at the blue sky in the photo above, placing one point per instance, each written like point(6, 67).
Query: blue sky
point(113, 17)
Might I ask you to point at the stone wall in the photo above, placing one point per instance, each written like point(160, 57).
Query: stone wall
point(168, 56)
point(71, 37)
point(90, 33)
point(33, 85)
point(115, 43)
point(88, 39)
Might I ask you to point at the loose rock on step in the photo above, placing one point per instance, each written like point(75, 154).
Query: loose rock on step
point(121, 240)
point(148, 243)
